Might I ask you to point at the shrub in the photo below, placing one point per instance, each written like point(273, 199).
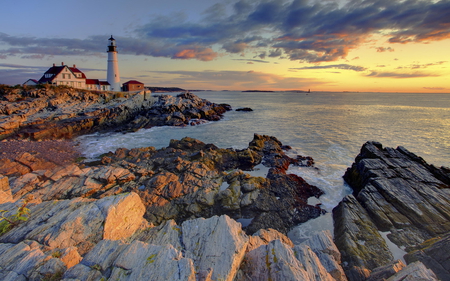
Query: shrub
point(7, 223)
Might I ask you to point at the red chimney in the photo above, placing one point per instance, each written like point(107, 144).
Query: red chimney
point(62, 63)
point(74, 66)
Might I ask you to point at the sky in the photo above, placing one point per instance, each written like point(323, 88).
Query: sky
point(327, 45)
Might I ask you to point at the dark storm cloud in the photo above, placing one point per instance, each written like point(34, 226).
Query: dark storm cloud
point(335, 66)
point(310, 32)
point(317, 32)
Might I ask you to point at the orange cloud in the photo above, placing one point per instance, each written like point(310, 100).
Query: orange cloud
point(203, 54)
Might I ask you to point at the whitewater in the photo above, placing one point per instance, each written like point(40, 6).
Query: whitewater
point(330, 127)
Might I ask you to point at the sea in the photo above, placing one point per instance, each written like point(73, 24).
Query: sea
point(329, 127)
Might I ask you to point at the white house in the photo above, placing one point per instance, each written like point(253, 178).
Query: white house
point(64, 75)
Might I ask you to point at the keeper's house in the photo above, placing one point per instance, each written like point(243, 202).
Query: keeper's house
point(64, 75)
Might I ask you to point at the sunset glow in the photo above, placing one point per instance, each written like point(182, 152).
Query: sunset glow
point(367, 46)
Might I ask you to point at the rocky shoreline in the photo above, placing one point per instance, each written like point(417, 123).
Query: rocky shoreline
point(59, 112)
point(172, 213)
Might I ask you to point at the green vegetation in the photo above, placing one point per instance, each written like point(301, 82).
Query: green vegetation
point(56, 254)
point(7, 223)
point(96, 267)
point(151, 258)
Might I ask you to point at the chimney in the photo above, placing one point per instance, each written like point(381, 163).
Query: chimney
point(62, 63)
point(74, 66)
point(54, 65)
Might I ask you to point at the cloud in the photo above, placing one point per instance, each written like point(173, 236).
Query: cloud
point(400, 75)
point(335, 66)
point(234, 80)
point(435, 88)
point(203, 54)
point(384, 49)
point(17, 74)
point(252, 60)
point(417, 66)
point(306, 31)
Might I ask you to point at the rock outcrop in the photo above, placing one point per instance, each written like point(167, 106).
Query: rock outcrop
point(394, 191)
point(108, 239)
point(56, 112)
point(189, 179)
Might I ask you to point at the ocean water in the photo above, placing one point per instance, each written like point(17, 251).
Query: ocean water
point(330, 127)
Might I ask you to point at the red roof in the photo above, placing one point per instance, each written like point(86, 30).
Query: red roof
point(55, 70)
point(133, 82)
point(96, 82)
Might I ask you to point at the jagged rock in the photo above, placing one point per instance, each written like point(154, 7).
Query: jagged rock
point(217, 243)
point(19, 260)
point(64, 113)
point(80, 222)
point(402, 193)
point(398, 192)
point(311, 263)
point(323, 246)
point(384, 272)
point(167, 233)
point(274, 261)
point(414, 272)
point(362, 247)
point(434, 255)
point(189, 179)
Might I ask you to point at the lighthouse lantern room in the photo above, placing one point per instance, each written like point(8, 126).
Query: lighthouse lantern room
point(113, 76)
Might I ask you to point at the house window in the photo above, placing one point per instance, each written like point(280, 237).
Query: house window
point(68, 76)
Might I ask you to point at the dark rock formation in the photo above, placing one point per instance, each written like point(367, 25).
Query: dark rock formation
point(52, 113)
point(246, 109)
point(398, 192)
point(435, 255)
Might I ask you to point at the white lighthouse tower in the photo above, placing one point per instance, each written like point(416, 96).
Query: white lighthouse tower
point(113, 76)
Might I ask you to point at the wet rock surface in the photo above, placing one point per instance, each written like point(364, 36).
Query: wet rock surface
point(394, 191)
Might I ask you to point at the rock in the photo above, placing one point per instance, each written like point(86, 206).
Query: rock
point(311, 263)
point(434, 255)
point(361, 246)
point(247, 109)
point(414, 272)
point(398, 192)
point(217, 243)
point(123, 215)
point(274, 261)
point(5, 190)
point(70, 257)
point(64, 113)
point(326, 251)
point(386, 271)
point(80, 222)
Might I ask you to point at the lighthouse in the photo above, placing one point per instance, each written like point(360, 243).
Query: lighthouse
point(113, 76)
